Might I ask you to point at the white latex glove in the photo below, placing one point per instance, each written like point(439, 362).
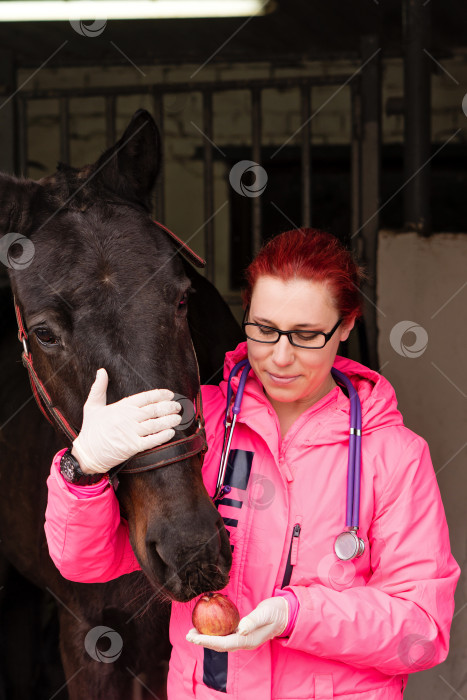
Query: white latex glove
point(114, 433)
point(269, 619)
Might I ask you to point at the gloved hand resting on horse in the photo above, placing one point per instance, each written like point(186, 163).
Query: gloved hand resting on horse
point(113, 433)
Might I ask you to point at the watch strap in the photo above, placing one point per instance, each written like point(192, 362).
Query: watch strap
point(72, 472)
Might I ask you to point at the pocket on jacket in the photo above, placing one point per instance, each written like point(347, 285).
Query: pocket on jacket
point(391, 691)
point(320, 688)
point(323, 688)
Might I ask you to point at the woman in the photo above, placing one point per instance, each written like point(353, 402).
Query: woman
point(311, 626)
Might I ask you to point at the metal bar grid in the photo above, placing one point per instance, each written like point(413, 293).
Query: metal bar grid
point(305, 111)
point(22, 112)
point(167, 88)
point(110, 119)
point(209, 251)
point(255, 87)
point(64, 107)
point(158, 103)
point(256, 157)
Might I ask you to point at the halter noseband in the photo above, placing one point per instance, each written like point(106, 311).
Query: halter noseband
point(160, 456)
point(172, 452)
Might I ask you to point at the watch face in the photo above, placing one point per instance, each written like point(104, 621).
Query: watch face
point(67, 467)
point(70, 470)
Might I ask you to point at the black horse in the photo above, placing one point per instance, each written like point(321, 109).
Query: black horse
point(99, 284)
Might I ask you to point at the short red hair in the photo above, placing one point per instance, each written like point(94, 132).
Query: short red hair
point(313, 255)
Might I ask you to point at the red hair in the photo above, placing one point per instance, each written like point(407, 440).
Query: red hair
point(311, 255)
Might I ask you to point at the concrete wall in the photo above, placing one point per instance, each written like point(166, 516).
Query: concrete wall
point(423, 281)
point(183, 126)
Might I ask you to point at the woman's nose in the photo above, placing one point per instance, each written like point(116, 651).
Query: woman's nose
point(283, 353)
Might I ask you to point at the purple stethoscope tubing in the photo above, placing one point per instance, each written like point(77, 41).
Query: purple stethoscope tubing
point(230, 425)
point(355, 438)
point(355, 451)
point(241, 386)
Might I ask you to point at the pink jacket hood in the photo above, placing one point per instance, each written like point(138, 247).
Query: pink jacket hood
point(377, 397)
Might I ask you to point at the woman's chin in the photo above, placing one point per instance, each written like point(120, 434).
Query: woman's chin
point(286, 394)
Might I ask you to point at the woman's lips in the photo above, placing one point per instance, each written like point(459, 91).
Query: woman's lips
point(278, 379)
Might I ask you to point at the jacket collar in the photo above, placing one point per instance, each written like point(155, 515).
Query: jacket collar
point(328, 419)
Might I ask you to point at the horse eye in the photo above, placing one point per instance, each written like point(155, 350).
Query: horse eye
point(183, 302)
point(46, 337)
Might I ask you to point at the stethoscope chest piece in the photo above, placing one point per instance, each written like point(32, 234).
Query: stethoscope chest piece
point(348, 545)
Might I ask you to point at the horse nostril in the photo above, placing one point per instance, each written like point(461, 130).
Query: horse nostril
point(154, 556)
point(197, 558)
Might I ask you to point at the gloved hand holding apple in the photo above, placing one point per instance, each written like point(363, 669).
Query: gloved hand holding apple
point(216, 616)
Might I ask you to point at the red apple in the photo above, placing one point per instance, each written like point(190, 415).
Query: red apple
point(215, 614)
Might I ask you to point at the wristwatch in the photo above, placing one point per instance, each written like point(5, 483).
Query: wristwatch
point(71, 471)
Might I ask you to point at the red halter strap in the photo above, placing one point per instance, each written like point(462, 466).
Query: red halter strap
point(43, 400)
point(184, 247)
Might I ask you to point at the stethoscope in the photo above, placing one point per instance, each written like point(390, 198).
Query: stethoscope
point(348, 545)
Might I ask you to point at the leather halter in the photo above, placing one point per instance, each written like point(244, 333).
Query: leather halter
point(172, 452)
point(43, 400)
point(160, 456)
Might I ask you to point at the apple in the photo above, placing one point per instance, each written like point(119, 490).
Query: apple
point(215, 614)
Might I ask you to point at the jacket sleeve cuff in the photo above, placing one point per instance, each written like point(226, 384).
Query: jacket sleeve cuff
point(88, 539)
point(80, 491)
point(294, 606)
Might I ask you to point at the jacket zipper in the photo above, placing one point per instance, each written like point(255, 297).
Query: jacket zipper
point(292, 558)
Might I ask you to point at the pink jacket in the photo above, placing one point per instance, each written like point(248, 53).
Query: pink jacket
point(362, 625)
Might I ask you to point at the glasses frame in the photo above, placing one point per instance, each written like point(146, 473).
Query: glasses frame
point(327, 336)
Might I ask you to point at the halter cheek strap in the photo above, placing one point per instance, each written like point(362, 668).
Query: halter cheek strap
point(43, 399)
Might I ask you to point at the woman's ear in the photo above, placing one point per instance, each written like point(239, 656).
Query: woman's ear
point(346, 328)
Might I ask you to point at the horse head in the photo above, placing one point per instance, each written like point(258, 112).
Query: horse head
point(99, 284)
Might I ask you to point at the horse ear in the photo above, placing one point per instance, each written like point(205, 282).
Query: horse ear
point(130, 167)
point(18, 198)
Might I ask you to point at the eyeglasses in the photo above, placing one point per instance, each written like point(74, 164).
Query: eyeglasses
point(311, 340)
